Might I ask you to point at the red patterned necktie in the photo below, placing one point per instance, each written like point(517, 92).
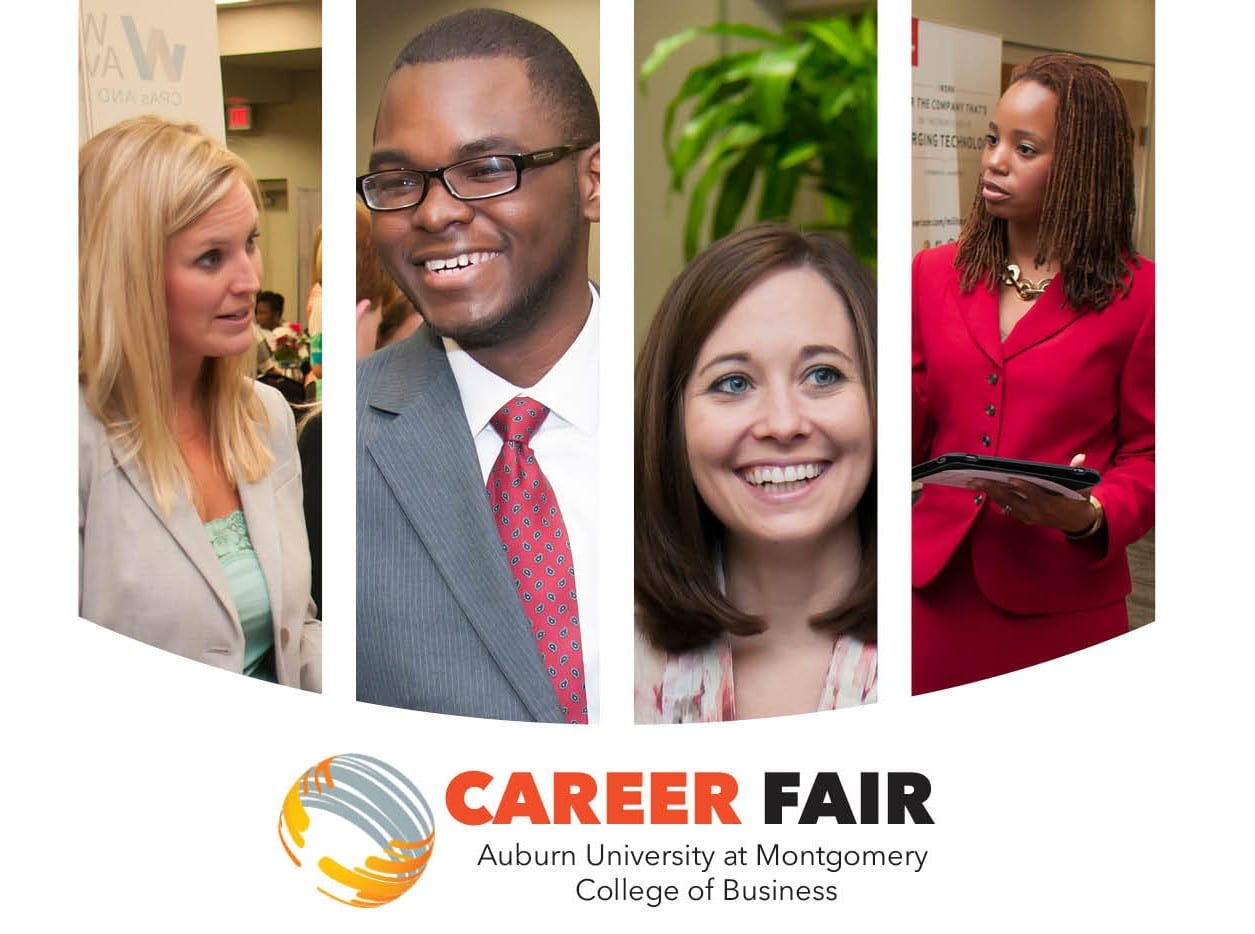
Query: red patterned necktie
point(525, 511)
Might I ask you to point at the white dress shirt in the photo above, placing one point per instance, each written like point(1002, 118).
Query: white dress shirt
point(566, 449)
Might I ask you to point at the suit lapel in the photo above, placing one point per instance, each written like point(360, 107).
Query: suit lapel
point(427, 458)
point(1046, 318)
point(979, 310)
point(185, 528)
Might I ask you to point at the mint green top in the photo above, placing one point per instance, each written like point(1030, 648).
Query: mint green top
point(315, 356)
point(229, 537)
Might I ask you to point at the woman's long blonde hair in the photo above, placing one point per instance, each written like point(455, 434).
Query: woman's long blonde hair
point(140, 182)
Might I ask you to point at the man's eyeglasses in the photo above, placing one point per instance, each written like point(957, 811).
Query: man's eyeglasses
point(469, 180)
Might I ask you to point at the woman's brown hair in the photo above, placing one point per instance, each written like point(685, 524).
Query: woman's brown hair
point(373, 281)
point(681, 605)
point(1089, 206)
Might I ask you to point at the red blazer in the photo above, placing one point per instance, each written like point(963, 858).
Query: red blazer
point(1064, 383)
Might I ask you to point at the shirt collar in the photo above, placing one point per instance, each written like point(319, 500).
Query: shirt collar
point(570, 389)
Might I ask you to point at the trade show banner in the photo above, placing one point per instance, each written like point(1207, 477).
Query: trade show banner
point(149, 57)
point(955, 75)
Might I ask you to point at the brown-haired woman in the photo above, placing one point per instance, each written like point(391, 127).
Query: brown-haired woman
point(755, 493)
point(1033, 338)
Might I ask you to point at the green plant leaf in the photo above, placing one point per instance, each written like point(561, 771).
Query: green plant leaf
point(733, 195)
point(837, 211)
point(779, 190)
point(733, 144)
point(835, 34)
point(738, 136)
point(664, 49)
point(773, 76)
point(697, 132)
point(706, 83)
point(697, 202)
point(746, 31)
point(867, 33)
point(798, 154)
point(803, 105)
point(835, 99)
point(668, 46)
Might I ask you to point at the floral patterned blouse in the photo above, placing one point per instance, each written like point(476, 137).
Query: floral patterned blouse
point(697, 686)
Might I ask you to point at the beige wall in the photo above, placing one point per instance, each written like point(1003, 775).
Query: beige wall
point(287, 145)
point(247, 30)
point(385, 26)
point(1121, 29)
point(272, 58)
point(660, 212)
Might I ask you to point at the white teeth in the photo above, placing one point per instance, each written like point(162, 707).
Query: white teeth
point(787, 487)
point(458, 262)
point(783, 479)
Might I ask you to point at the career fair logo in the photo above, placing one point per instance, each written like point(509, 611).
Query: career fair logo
point(357, 811)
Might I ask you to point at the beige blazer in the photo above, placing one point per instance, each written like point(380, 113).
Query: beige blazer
point(156, 578)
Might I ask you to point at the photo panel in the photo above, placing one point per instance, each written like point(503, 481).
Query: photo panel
point(1033, 351)
point(200, 211)
point(756, 322)
point(478, 138)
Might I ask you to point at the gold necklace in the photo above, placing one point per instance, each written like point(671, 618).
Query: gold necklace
point(1025, 288)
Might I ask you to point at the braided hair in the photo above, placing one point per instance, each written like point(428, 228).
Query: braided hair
point(1089, 206)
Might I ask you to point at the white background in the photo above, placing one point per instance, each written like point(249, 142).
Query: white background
point(1103, 790)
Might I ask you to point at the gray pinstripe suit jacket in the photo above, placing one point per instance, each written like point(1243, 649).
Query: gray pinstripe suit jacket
point(439, 626)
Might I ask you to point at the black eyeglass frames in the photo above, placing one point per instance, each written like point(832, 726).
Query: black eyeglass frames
point(468, 180)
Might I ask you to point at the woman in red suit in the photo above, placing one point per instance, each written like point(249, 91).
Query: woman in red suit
point(1033, 337)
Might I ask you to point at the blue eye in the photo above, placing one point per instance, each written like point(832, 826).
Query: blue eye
point(209, 260)
point(734, 384)
point(824, 376)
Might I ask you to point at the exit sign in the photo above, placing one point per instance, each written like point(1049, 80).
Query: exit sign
point(239, 117)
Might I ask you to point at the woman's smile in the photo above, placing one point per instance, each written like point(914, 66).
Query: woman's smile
point(778, 479)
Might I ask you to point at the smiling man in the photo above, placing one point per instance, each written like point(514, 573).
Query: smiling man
point(477, 436)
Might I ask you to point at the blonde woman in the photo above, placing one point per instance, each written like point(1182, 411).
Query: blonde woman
point(191, 534)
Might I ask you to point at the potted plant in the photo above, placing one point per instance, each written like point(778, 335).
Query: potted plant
point(797, 110)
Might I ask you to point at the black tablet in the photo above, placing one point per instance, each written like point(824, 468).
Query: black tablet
point(961, 469)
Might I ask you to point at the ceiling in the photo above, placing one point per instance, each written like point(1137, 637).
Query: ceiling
point(304, 3)
point(287, 59)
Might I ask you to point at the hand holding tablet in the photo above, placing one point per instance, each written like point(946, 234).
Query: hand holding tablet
point(965, 470)
point(1031, 492)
